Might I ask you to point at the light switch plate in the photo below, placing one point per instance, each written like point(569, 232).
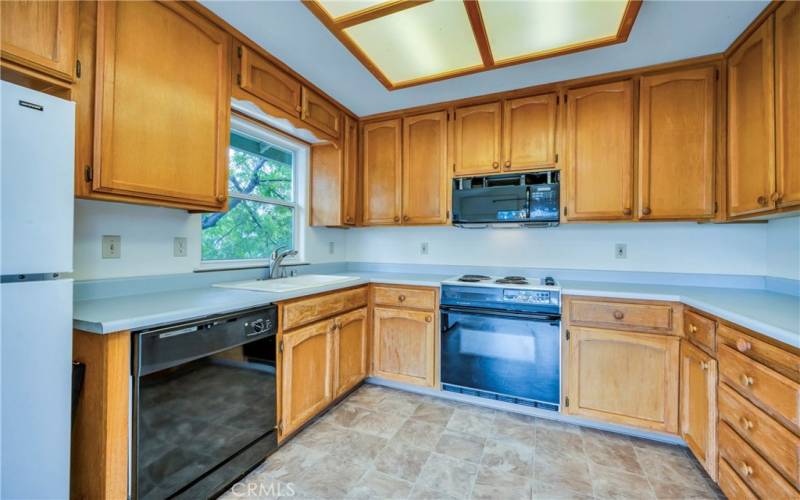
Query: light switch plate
point(112, 246)
point(179, 247)
point(621, 251)
point(423, 248)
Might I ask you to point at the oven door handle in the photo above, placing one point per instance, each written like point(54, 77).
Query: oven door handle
point(478, 311)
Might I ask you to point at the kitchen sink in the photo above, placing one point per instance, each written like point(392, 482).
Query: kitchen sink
point(288, 284)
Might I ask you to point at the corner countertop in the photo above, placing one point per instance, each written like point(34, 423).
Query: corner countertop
point(771, 314)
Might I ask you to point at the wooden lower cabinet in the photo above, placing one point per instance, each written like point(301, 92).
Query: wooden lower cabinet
point(351, 355)
point(698, 405)
point(404, 345)
point(731, 485)
point(623, 377)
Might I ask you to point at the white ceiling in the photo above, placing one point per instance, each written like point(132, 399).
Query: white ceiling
point(664, 31)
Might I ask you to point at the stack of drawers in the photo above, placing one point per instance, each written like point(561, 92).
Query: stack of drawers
point(759, 417)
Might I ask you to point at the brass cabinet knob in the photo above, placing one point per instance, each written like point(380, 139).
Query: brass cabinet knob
point(298, 107)
point(406, 218)
point(777, 197)
point(349, 219)
point(618, 315)
point(428, 319)
point(646, 211)
point(495, 165)
point(692, 328)
point(508, 163)
point(221, 198)
point(746, 423)
point(627, 211)
point(397, 218)
point(746, 469)
point(704, 365)
point(743, 346)
point(401, 298)
point(762, 200)
point(747, 380)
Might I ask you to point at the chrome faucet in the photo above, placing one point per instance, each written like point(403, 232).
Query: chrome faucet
point(275, 266)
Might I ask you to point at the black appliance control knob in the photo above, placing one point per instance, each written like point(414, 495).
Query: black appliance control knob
point(259, 326)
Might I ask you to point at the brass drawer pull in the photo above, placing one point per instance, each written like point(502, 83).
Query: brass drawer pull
point(618, 315)
point(495, 165)
point(762, 200)
point(704, 365)
point(646, 211)
point(397, 218)
point(746, 469)
point(746, 424)
point(401, 298)
point(692, 328)
point(747, 380)
point(743, 346)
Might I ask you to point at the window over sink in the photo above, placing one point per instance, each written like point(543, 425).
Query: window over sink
point(263, 207)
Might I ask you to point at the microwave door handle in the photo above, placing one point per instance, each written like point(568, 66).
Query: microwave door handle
point(528, 202)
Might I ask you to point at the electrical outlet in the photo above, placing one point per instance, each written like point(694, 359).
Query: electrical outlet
point(179, 247)
point(331, 247)
point(621, 251)
point(112, 246)
point(423, 248)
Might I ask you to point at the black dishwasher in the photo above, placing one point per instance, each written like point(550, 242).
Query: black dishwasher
point(204, 403)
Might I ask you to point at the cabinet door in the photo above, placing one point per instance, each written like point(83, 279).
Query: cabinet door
point(268, 82)
point(529, 132)
point(307, 374)
point(350, 347)
point(382, 172)
point(642, 391)
point(326, 187)
point(350, 204)
point(320, 113)
point(698, 405)
point(477, 139)
point(403, 345)
point(751, 124)
point(425, 175)
point(599, 140)
point(787, 108)
point(676, 145)
point(41, 35)
point(170, 140)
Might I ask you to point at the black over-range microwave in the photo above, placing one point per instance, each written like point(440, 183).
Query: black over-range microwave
point(526, 200)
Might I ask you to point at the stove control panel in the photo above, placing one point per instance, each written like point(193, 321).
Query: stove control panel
point(530, 297)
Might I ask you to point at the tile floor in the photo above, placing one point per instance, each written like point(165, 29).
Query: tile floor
point(381, 443)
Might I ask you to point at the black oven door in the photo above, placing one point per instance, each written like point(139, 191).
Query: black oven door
point(511, 357)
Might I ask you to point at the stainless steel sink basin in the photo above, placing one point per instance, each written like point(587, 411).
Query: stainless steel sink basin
point(288, 284)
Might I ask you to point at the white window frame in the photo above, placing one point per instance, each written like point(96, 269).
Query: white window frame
point(300, 154)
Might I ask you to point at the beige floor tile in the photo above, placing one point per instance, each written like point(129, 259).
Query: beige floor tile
point(508, 457)
point(419, 434)
point(492, 484)
point(671, 465)
point(346, 414)
point(321, 436)
point(368, 396)
point(377, 485)
point(568, 471)
point(672, 490)
point(433, 413)
point(471, 423)
point(566, 443)
point(487, 492)
point(555, 425)
point(556, 491)
point(514, 427)
point(289, 459)
point(446, 474)
point(615, 454)
point(401, 460)
point(423, 493)
point(461, 446)
point(359, 447)
point(331, 477)
point(612, 483)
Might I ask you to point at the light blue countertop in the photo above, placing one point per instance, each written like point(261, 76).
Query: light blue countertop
point(772, 314)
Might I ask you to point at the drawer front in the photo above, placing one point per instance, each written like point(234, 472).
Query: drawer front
point(621, 315)
point(416, 298)
point(767, 386)
point(700, 330)
point(732, 485)
point(782, 361)
point(305, 311)
point(750, 467)
point(761, 431)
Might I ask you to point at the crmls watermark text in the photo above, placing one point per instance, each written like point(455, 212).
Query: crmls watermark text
point(271, 489)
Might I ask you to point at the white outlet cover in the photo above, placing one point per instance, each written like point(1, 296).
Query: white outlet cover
point(179, 247)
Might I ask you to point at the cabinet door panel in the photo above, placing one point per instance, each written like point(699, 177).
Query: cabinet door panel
point(326, 189)
point(676, 145)
point(751, 124)
point(351, 350)
point(699, 405)
point(404, 345)
point(600, 152)
point(477, 139)
point(41, 35)
point(529, 132)
point(642, 391)
point(425, 179)
point(787, 108)
point(318, 112)
point(268, 82)
point(166, 140)
point(307, 374)
point(382, 172)
point(350, 203)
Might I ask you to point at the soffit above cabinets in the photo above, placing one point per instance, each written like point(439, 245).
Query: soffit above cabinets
point(410, 42)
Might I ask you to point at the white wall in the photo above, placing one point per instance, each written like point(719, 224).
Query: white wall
point(147, 240)
point(667, 247)
point(783, 248)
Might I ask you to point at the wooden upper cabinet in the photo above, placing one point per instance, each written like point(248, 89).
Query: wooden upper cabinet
point(327, 184)
point(350, 348)
point(751, 124)
point(350, 202)
point(382, 172)
point(787, 100)
point(267, 81)
point(529, 132)
point(698, 405)
point(426, 181)
point(165, 141)
point(320, 113)
point(599, 146)
point(41, 35)
point(477, 139)
point(676, 145)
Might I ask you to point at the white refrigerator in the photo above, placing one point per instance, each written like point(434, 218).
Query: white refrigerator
point(36, 217)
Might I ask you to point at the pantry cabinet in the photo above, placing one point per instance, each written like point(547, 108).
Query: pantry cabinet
point(599, 152)
point(787, 103)
point(166, 142)
point(477, 139)
point(351, 353)
point(698, 405)
point(676, 145)
point(529, 132)
point(41, 36)
point(382, 172)
point(426, 181)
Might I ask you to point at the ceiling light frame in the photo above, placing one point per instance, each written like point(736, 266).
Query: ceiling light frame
point(338, 25)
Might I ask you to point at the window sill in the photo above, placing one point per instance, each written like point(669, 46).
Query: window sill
point(229, 265)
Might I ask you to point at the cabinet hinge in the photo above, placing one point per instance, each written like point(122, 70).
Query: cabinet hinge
point(565, 98)
point(88, 173)
point(565, 210)
point(716, 73)
point(239, 51)
point(558, 99)
point(77, 68)
point(238, 79)
point(448, 215)
point(280, 346)
point(566, 401)
point(556, 157)
point(567, 334)
point(716, 207)
point(280, 428)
